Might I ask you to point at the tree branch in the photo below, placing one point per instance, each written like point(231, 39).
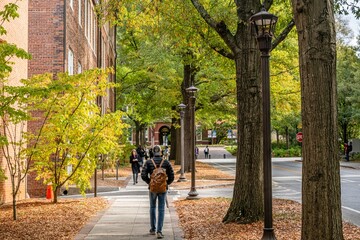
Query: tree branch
point(219, 27)
point(283, 34)
point(220, 51)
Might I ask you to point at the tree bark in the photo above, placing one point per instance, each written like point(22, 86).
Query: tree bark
point(178, 149)
point(174, 140)
point(247, 203)
point(187, 118)
point(321, 202)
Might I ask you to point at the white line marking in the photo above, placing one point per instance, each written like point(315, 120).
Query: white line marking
point(350, 209)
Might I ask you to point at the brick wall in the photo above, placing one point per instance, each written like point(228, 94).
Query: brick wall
point(17, 34)
point(49, 44)
point(46, 45)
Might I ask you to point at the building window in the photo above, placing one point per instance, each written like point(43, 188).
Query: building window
point(70, 62)
point(72, 4)
point(103, 51)
point(198, 133)
point(86, 16)
point(80, 12)
point(79, 70)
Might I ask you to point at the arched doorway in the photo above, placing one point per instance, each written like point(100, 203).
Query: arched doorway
point(164, 135)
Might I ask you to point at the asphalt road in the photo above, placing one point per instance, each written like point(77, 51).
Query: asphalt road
point(286, 174)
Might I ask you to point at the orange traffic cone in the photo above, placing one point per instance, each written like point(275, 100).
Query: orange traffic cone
point(49, 192)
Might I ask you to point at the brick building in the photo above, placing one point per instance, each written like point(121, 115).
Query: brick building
point(15, 35)
point(64, 35)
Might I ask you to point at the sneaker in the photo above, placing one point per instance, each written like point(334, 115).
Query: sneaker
point(152, 232)
point(159, 235)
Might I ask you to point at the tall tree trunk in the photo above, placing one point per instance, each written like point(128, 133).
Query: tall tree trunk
point(137, 133)
point(321, 202)
point(187, 118)
point(247, 202)
point(174, 138)
point(178, 144)
point(287, 137)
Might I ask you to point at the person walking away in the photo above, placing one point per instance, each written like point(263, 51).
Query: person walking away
point(141, 154)
point(348, 149)
point(135, 165)
point(151, 154)
point(206, 151)
point(196, 152)
point(156, 195)
point(166, 153)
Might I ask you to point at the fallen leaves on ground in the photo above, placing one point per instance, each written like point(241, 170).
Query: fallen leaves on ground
point(41, 219)
point(202, 219)
point(110, 177)
point(205, 175)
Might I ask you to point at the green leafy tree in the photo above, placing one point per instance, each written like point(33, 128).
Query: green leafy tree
point(230, 24)
point(348, 65)
point(73, 131)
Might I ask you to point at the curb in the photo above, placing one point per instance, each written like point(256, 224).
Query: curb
point(177, 230)
point(207, 186)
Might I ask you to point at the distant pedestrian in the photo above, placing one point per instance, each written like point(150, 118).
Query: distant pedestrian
point(166, 153)
point(135, 165)
point(161, 197)
point(206, 152)
point(196, 152)
point(141, 153)
point(151, 153)
point(348, 149)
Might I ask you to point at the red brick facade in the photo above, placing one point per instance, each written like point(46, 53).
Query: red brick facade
point(16, 34)
point(65, 37)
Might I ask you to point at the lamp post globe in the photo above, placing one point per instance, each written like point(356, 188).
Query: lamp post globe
point(182, 107)
point(264, 26)
point(192, 90)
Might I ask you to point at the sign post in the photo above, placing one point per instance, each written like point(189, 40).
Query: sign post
point(299, 137)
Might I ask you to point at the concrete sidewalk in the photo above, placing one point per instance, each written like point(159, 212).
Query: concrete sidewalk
point(128, 217)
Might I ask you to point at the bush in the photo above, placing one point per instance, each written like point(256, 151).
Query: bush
point(294, 151)
point(291, 152)
point(231, 149)
point(355, 157)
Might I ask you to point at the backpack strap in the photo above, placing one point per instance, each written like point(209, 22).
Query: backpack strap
point(154, 163)
point(162, 161)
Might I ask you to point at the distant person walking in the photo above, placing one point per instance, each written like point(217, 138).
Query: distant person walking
point(196, 152)
point(135, 165)
point(147, 175)
point(348, 149)
point(166, 153)
point(206, 152)
point(141, 153)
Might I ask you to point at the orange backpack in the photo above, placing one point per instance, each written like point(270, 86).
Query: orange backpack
point(158, 179)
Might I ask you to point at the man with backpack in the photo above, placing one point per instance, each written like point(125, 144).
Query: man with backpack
point(159, 174)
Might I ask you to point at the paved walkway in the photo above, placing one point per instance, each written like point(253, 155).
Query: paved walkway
point(128, 217)
point(128, 214)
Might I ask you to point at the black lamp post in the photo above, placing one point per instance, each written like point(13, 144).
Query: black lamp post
point(192, 90)
point(264, 25)
point(182, 107)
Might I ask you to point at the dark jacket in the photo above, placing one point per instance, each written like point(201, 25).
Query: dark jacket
point(149, 168)
point(135, 165)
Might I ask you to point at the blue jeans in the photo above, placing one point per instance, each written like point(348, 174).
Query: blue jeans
point(161, 210)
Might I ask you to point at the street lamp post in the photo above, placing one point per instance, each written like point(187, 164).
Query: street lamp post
point(192, 90)
point(264, 25)
point(182, 107)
